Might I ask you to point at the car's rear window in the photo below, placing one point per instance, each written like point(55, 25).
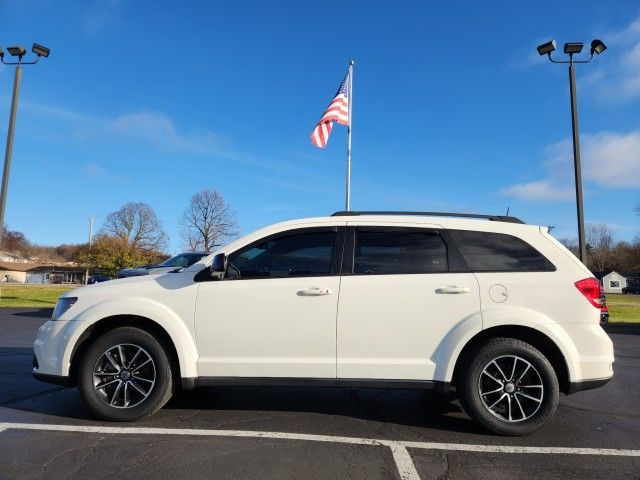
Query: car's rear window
point(498, 252)
point(399, 252)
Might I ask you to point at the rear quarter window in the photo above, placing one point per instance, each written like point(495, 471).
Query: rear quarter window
point(499, 252)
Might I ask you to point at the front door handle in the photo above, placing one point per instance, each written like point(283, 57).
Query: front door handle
point(453, 290)
point(314, 292)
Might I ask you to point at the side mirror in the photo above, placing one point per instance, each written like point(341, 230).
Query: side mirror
point(218, 266)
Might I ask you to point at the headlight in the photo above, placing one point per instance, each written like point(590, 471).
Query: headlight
point(64, 304)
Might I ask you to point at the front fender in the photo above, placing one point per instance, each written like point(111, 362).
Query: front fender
point(155, 311)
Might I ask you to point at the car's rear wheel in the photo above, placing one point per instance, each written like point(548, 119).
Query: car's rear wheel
point(125, 374)
point(508, 386)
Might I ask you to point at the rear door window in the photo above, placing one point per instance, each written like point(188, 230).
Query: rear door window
point(498, 252)
point(398, 252)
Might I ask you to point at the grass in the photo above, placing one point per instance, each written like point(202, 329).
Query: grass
point(623, 308)
point(38, 296)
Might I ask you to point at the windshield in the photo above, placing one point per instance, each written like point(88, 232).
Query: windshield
point(182, 261)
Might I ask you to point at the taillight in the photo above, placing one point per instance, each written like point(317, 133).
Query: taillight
point(590, 288)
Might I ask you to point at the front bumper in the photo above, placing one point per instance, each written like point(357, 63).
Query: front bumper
point(52, 348)
point(55, 379)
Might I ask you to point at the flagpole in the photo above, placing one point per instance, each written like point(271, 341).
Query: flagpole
point(348, 202)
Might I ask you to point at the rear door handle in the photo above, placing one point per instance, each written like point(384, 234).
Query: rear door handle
point(314, 292)
point(453, 290)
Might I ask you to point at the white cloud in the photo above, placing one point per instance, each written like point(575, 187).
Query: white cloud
point(615, 75)
point(158, 129)
point(149, 128)
point(153, 128)
point(96, 170)
point(613, 159)
point(540, 190)
point(609, 159)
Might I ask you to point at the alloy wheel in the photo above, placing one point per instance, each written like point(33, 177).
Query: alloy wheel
point(511, 388)
point(124, 376)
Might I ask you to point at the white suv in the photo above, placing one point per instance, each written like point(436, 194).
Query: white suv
point(494, 307)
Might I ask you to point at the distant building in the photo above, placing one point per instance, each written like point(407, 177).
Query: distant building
point(14, 272)
point(612, 282)
point(18, 272)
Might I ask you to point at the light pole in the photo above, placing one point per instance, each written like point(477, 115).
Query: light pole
point(19, 52)
point(572, 48)
point(90, 218)
point(86, 273)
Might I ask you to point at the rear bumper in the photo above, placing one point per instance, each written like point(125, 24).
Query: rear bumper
point(583, 385)
point(589, 354)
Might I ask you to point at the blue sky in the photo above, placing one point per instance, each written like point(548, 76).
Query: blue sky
point(453, 110)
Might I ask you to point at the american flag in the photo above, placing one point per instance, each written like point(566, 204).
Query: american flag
point(337, 111)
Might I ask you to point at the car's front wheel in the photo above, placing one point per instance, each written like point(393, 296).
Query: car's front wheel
point(125, 374)
point(508, 386)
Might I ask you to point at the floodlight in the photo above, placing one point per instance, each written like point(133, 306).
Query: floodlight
point(547, 48)
point(597, 47)
point(573, 47)
point(17, 51)
point(40, 50)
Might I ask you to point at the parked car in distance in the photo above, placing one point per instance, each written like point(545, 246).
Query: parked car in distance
point(498, 309)
point(97, 278)
point(182, 260)
point(633, 287)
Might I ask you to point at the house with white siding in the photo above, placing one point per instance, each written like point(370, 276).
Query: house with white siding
point(612, 282)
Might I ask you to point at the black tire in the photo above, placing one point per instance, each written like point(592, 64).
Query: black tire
point(471, 380)
point(158, 393)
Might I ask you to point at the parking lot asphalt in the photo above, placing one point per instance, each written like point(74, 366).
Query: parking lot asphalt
point(46, 432)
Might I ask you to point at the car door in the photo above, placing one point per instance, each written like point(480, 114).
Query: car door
point(274, 312)
point(402, 292)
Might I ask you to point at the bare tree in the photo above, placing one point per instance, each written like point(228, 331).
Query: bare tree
point(600, 245)
point(207, 220)
point(571, 244)
point(136, 225)
point(14, 241)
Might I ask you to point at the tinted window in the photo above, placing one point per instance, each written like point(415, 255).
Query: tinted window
point(296, 255)
point(399, 252)
point(497, 252)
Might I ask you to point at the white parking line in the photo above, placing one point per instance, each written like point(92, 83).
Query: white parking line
point(192, 432)
point(406, 468)
point(462, 447)
point(398, 448)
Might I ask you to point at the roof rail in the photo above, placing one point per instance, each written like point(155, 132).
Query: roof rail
point(493, 218)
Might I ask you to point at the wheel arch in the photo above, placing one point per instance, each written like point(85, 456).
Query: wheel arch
point(112, 322)
point(547, 346)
